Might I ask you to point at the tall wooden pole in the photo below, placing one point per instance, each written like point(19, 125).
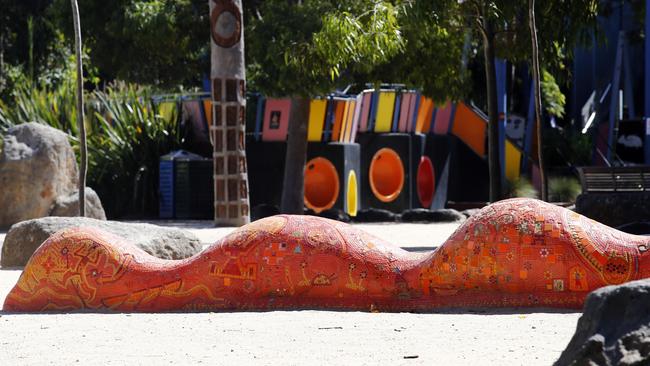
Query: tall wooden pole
point(537, 95)
point(83, 149)
point(228, 75)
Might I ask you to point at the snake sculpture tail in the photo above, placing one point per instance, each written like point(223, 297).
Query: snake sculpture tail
point(514, 253)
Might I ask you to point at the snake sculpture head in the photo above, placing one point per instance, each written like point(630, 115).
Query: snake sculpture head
point(68, 269)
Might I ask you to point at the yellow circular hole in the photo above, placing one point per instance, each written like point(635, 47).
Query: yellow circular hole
point(321, 184)
point(386, 175)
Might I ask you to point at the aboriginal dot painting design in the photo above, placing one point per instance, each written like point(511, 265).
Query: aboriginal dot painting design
point(514, 253)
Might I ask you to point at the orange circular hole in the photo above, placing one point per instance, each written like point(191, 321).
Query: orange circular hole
point(426, 182)
point(321, 184)
point(386, 175)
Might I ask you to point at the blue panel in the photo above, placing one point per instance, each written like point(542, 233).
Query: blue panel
point(166, 187)
point(396, 110)
point(259, 117)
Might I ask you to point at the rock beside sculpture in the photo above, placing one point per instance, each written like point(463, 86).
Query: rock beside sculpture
point(167, 243)
point(425, 215)
point(37, 165)
point(39, 176)
point(69, 205)
point(614, 328)
point(614, 209)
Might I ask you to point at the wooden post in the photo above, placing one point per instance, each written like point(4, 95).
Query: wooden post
point(228, 75)
point(83, 147)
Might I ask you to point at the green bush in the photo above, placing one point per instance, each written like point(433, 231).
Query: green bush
point(522, 188)
point(563, 189)
point(126, 135)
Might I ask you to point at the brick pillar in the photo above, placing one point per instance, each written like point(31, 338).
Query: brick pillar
point(227, 131)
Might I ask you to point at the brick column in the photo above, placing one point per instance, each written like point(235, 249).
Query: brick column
point(227, 132)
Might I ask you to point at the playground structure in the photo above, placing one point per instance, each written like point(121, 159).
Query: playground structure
point(412, 152)
point(390, 149)
point(514, 253)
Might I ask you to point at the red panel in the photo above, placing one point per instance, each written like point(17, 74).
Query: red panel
point(276, 119)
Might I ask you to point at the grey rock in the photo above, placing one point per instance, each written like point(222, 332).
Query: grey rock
point(470, 212)
point(440, 215)
point(375, 215)
point(25, 237)
point(37, 165)
point(615, 209)
point(69, 205)
point(614, 328)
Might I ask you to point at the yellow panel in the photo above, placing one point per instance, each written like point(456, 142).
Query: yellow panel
point(385, 107)
point(513, 161)
point(167, 110)
point(317, 110)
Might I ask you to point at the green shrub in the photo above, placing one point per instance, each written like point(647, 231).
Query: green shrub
point(522, 188)
point(563, 189)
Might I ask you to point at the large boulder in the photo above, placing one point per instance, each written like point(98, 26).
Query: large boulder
point(69, 205)
point(614, 328)
point(37, 165)
point(167, 243)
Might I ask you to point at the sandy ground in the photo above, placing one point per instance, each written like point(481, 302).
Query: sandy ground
point(510, 337)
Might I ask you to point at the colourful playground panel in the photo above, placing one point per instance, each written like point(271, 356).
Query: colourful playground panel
point(366, 97)
point(317, 111)
point(351, 105)
point(207, 109)
point(513, 161)
point(443, 117)
point(339, 115)
point(276, 119)
point(385, 108)
point(424, 115)
point(470, 127)
point(358, 109)
point(167, 109)
point(407, 110)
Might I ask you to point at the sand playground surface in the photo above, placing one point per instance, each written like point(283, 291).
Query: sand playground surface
point(471, 337)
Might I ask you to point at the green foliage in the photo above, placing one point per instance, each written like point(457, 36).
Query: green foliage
point(567, 147)
point(308, 48)
point(553, 99)
point(126, 137)
point(522, 188)
point(125, 151)
point(431, 59)
point(563, 189)
point(159, 42)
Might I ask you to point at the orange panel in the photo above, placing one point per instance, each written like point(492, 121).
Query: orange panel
point(470, 128)
point(424, 113)
point(338, 119)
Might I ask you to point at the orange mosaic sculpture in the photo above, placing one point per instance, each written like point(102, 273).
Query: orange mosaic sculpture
point(512, 253)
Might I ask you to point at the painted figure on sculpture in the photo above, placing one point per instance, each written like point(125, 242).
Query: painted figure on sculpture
point(514, 253)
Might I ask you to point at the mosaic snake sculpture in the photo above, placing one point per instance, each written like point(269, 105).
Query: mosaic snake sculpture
point(513, 253)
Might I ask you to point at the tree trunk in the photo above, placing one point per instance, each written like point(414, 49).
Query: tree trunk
point(83, 149)
point(293, 192)
point(493, 114)
point(537, 96)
